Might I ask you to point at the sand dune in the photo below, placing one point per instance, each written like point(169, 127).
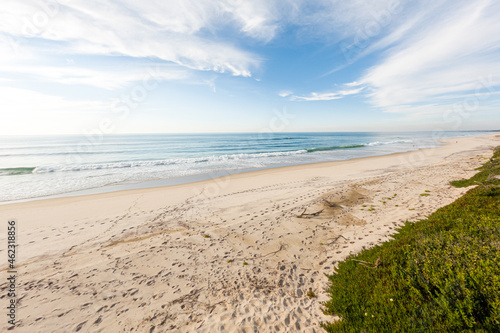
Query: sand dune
point(233, 254)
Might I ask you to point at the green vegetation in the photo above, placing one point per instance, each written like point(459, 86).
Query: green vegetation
point(230, 261)
point(245, 263)
point(487, 173)
point(424, 194)
point(206, 236)
point(310, 294)
point(441, 274)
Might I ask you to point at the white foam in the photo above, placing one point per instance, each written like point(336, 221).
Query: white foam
point(379, 143)
point(134, 164)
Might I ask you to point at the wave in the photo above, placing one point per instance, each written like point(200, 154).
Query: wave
point(286, 138)
point(134, 164)
point(378, 143)
point(311, 150)
point(180, 161)
point(370, 144)
point(16, 171)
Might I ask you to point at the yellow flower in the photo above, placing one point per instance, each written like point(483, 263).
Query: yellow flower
point(373, 316)
point(391, 300)
point(366, 314)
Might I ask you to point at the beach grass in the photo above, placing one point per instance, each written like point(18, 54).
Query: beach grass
point(440, 274)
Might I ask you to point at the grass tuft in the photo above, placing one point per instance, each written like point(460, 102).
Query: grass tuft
point(310, 294)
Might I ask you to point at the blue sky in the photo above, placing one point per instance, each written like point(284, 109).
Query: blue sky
point(152, 66)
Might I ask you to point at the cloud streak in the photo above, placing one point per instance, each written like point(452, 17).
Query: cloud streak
point(324, 96)
point(459, 53)
point(430, 54)
point(178, 31)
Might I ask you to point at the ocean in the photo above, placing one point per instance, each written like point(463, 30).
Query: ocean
point(42, 166)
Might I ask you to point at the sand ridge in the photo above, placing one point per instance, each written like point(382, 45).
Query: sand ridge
point(228, 255)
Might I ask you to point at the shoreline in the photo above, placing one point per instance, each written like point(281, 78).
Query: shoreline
point(176, 181)
point(173, 258)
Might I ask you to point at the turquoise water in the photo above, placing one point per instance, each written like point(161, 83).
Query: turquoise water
point(37, 166)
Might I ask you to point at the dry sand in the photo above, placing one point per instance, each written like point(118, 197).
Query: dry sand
point(173, 258)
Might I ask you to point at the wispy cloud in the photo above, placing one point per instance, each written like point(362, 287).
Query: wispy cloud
point(325, 96)
point(458, 53)
point(186, 32)
point(177, 31)
point(430, 54)
point(285, 93)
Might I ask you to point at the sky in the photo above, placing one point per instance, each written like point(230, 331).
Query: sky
point(182, 66)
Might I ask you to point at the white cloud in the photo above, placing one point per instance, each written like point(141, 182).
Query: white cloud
point(433, 54)
point(178, 31)
point(258, 18)
point(285, 93)
point(325, 96)
point(351, 21)
point(186, 32)
point(456, 54)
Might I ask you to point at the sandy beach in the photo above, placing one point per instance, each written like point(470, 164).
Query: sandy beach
point(232, 254)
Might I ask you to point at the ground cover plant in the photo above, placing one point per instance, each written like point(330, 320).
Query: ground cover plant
point(441, 274)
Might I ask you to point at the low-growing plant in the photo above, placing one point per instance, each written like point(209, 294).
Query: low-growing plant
point(486, 174)
point(441, 274)
point(310, 294)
